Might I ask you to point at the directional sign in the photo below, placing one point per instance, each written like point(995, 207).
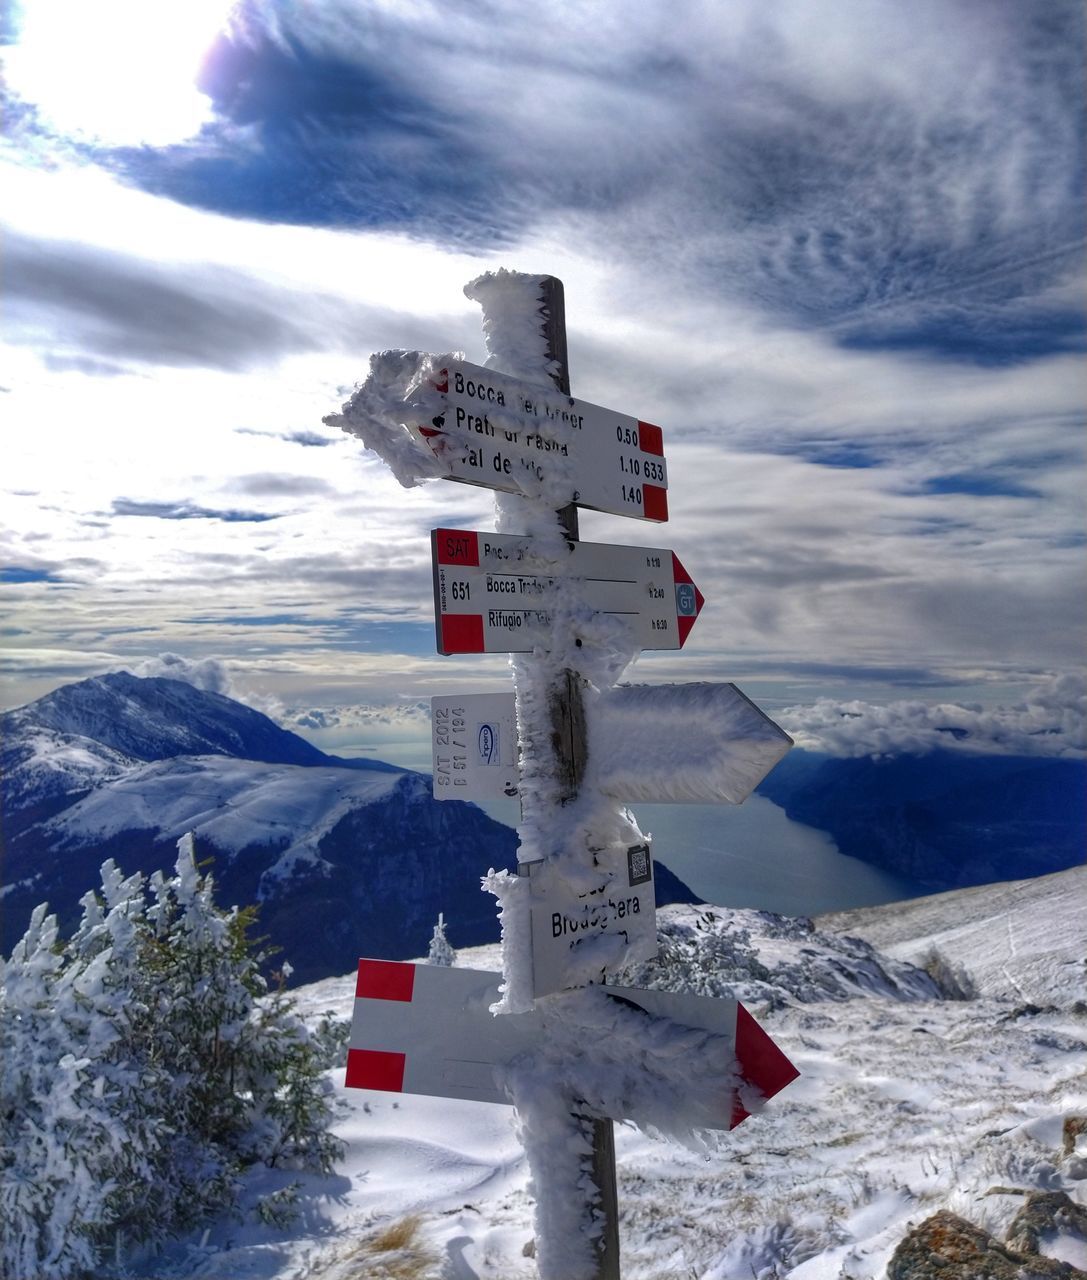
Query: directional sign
point(516, 436)
point(474, 743)
point(428, 1029)
point(577, 937)
point(492, 591)
point(718, 745)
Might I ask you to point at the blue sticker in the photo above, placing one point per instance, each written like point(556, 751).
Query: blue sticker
point(488, 744)
point(686, 606)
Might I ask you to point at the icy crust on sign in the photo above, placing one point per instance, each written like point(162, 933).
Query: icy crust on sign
point(399, 410)
point(709, 740)
point(511, 324)
point(400, 392)
point(669, 1079)
point(615, 1060)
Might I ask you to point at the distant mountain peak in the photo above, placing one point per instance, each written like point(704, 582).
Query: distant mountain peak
point(156, 718)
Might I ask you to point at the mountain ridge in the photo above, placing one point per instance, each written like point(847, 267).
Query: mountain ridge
point(343, 857)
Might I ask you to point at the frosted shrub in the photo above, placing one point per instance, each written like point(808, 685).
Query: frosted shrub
point(441, 952)
point(952, 979)
point(187, 1070)
point(58, 1133)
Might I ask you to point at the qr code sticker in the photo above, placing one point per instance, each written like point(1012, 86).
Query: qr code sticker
point(639, 864)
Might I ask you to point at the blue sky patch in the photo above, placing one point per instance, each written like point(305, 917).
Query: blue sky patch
point(979, 484)
point(16, 575)
point(187, 511)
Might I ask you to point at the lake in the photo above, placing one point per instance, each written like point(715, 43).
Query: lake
point(754, 855)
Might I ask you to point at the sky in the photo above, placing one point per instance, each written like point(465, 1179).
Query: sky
point(836, 251)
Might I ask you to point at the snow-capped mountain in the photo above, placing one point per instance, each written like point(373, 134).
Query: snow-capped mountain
point(345, 857)
point(81, 735)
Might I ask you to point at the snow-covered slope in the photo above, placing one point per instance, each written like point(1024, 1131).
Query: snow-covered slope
point(1021, 939)
point(234, 804)
point(154, 718)
point(88, 733)
point(907, 1103)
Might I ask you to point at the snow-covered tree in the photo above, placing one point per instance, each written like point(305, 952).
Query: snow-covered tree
point(72, 1142)
point(144, 1065)
point(441, 952)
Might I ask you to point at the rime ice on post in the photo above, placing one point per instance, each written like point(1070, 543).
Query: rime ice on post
point(582, 903)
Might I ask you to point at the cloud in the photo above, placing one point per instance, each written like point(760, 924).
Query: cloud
point(187, 511)
point(277, 485)
point(208, 674)
point(900, 176)
point(405, 714)
point(833, 254)
point(104, 310)
point(1052, 721)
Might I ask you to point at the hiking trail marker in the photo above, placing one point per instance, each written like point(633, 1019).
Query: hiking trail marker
point(505, 434)
point(588, 904)
point(419, 1028)
point(492, 591)
point(724, 744)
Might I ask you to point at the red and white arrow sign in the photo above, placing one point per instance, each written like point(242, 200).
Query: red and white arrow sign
point(501, 433)
point(428, 1029)
point(493, 592)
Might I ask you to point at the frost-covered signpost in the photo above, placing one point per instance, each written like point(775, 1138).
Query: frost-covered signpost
point(571, 1057)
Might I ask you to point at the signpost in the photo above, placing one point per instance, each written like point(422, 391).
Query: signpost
point(493, 592)
point(427, 1029)
point(505, 434)
point(717, 744)
point(586, 897)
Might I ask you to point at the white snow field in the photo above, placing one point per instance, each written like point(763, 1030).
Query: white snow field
point(907, 1103)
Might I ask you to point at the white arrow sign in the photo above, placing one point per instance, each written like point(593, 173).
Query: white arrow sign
point(428, 1029)
point(655, 744)
point(474, 746)
point(578, 937)
point(492, 592)
point(504, 434)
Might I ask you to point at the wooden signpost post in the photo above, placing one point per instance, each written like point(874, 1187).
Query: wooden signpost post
point(588, 904)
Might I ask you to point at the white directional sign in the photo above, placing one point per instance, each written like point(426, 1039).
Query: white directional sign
point(579, 937)
point(492, 591)
point(474, 743)
point(709, 744)
point(505, 434)
point(428, 1029)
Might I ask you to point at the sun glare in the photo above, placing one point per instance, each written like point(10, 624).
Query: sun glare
point(119, 71)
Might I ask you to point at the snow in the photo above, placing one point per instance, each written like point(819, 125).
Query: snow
point(235, 804)
point(396, 394)
point(907, 1103)
point(1023, 937)
point(709, 743)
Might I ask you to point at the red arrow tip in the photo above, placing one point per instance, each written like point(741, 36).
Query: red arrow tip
point(689, 600)
point(762, 1063)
